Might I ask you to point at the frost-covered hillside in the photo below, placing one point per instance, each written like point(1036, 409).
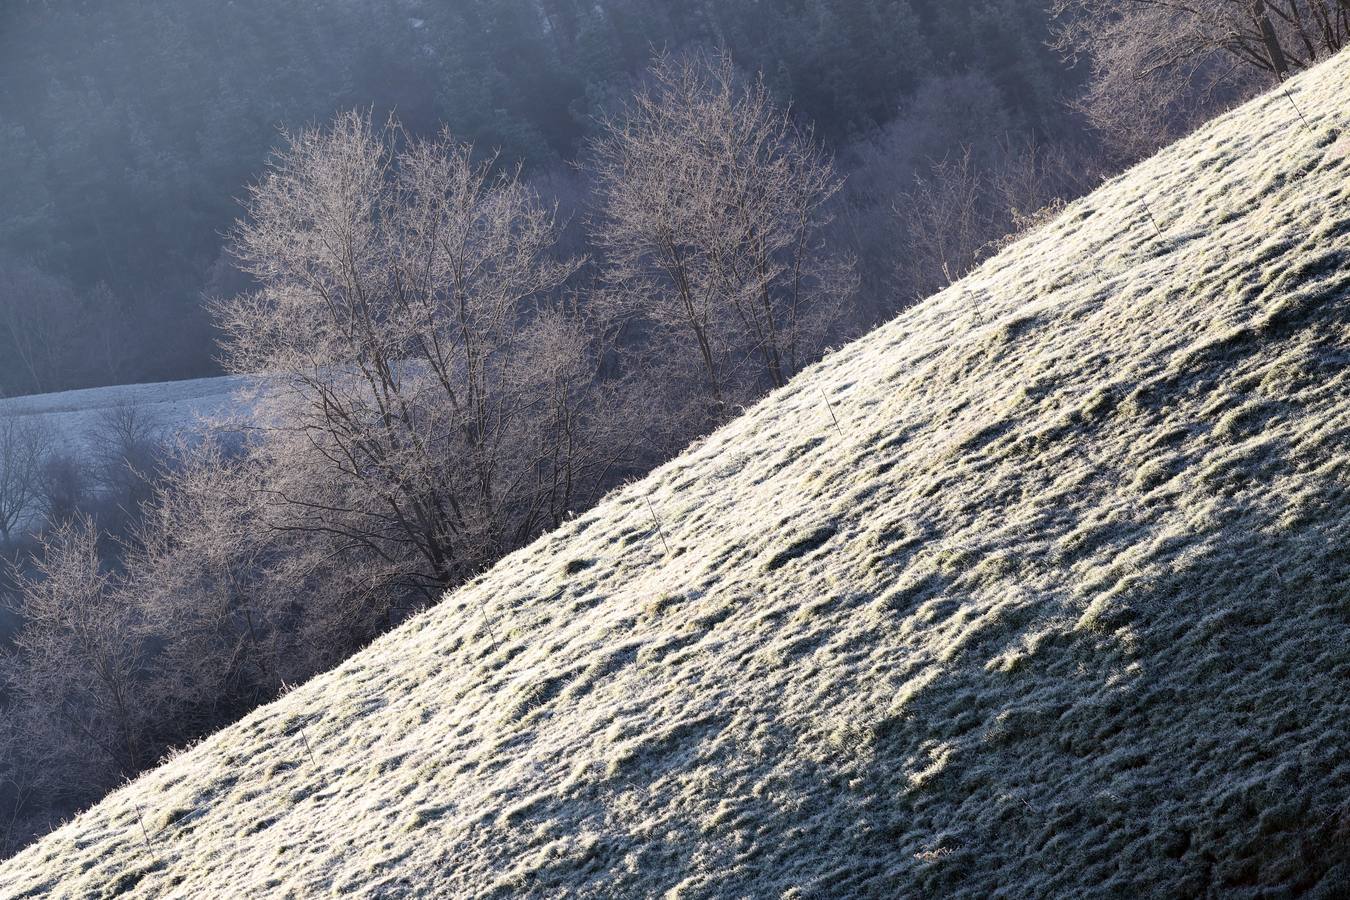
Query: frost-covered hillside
point(74, 416)
point(1060, 606)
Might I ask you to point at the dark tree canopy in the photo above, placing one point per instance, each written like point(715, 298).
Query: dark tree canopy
point(127, 130)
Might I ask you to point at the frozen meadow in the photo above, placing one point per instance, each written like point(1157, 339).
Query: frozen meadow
point(74, 416)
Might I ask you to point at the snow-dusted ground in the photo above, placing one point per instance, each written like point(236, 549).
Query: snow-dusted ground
point(1060, 608)
point(73, 416)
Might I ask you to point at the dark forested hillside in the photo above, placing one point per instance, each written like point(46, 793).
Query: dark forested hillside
point(127, 130)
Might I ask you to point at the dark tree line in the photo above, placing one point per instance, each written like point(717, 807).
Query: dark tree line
point(127, 130)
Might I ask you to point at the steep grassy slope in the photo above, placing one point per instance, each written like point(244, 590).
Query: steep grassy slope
point(1062, 606)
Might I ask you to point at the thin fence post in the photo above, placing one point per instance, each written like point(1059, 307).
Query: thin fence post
point(1296, 109)
point(657, 519)
point(487, 623)
point(145, 835)
point(831, 409)
point(304, 737)
point(1149, 213)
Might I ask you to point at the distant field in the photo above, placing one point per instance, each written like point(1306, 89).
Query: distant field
point(174, 405)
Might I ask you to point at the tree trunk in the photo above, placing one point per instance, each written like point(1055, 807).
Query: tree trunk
point(1270, 39)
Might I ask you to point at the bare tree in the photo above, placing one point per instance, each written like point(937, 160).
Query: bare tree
point(896, 197)
point(37, 767)
point(401, 290)
point(40, 317)
point(111, 337)
point(1033, 181)
point(63, 488)
point(24, 447)
point(127, 448)
point(78, 656)
point(239, 608)
point(1160, 67)
point(1273, 36)
point(712, 201)
point(948, 222)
